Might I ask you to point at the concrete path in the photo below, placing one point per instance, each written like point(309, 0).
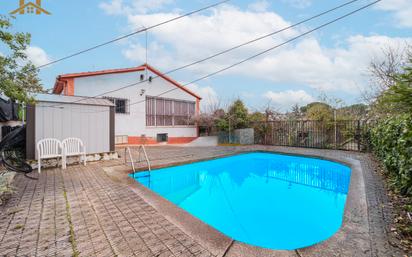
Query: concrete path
point(203, 142)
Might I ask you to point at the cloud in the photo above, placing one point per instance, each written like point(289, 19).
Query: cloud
point(209, 33)
point(306, 63)
point(114, 7)
point(208, 94)
point(401, 9)
point(118, 7)
point(288, 98)
point(259, 6)
point(300, 4)
point(338, 69)
point(37, 55)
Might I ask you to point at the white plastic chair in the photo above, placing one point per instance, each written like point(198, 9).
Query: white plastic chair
point(73, 147)
point(49, 148)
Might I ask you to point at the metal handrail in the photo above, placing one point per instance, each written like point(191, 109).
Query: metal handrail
point(127, 151)
point(146, 157)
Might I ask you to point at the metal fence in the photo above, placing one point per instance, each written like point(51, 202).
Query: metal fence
point(343, 135)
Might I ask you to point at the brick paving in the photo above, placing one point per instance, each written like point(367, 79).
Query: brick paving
point(82, 211)
point(105, 217)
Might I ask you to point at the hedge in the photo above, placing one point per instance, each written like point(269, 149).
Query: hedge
point(391, 141)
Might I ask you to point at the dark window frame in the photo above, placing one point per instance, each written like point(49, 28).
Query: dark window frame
point(120, 108)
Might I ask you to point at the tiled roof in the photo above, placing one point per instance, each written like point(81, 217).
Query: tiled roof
point(58, 87)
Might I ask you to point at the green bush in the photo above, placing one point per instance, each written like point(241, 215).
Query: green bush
point(391, 141)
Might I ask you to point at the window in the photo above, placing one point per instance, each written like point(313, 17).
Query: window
point(150, 111)
point(160, 112)
point(181, 113)
point(169, 112)
point(162, 138)
point(122, 105)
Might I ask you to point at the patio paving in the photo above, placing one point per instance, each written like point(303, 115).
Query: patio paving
point(85, 211)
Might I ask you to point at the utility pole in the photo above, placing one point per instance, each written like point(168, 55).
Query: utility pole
point(146, 52)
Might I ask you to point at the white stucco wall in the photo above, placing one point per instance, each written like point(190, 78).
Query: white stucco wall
point(134, 123)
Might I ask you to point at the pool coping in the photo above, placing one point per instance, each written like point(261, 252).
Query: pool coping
point(350, 240)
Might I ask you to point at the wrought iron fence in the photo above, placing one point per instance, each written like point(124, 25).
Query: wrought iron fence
point(343, 135)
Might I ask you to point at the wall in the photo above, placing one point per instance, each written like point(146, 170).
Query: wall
point(245, 136)
point(89, 123)
point(134, 124)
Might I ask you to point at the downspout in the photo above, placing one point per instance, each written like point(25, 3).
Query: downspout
point(197, 114)
point(65, 88)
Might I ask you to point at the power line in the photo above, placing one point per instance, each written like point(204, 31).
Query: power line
point(267, 50)
point(131, 34)
point(228, 50)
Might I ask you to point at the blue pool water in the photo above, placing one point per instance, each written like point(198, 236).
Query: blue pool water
point(269, 200)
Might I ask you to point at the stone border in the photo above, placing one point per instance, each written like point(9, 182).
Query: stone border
point(54, 162)
point(351, 240)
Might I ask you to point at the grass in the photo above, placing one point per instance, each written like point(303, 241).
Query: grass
point(72, 238)
point(19, 226)
point(229, 144)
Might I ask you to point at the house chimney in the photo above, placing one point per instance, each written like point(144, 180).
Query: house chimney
point(38, 3)
point(21, 5)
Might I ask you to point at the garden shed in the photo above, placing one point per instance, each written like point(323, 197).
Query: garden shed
point(57, 116)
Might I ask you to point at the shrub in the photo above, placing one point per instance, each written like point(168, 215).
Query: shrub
point(391, 141)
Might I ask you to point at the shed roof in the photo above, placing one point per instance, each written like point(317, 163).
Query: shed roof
point(52, 98)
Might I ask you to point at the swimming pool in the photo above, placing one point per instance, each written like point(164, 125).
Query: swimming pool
point(275, 201)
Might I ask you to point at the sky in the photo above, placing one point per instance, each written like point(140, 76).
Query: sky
point(332, 61)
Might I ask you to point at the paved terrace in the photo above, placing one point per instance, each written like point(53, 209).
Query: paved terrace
point(88, 211)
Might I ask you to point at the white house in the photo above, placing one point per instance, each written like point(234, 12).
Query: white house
point(155, 109)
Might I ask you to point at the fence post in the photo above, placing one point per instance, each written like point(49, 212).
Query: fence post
point(358, 134)
point(336, 129)
point(230, 134)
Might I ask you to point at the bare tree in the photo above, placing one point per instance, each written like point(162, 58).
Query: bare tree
point(210, 112)
point(382, 71)
point(270, 111)
point(213, 104)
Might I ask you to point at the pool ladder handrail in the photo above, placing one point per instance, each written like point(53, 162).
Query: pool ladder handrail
point(142, 149)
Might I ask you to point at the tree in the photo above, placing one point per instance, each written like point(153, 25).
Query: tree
point(320, 112)
point(205, 121)
point(238, 115)
point(398, 98)
point(304, 109)
point(18, 76)
point(296, 112)
point(383, 71)
point(257, 117)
